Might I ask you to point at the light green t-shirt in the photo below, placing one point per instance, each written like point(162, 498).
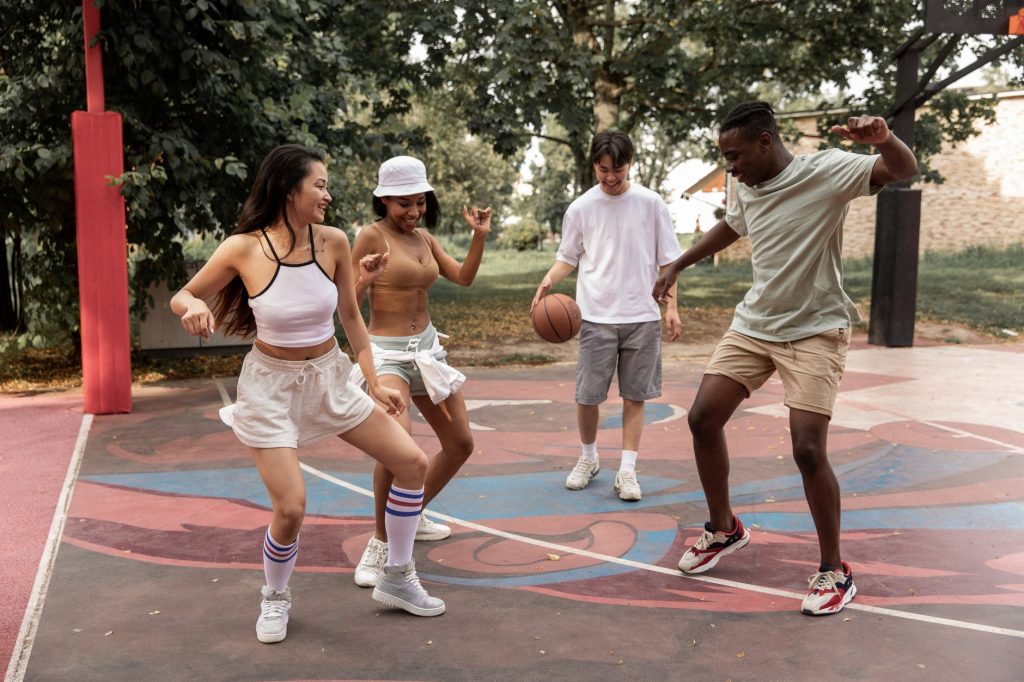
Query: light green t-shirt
point(795, 224)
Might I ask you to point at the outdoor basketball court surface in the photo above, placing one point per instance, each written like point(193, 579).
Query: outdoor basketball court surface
point(158, 569)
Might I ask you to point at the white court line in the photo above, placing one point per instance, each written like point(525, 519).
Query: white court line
point(223, 392)
point(1013, 449)
point(30, 623)
point(673, 572)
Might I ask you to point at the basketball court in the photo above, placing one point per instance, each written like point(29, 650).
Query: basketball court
point(157, 572)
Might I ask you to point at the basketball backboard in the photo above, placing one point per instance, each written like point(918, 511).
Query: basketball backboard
point(991, 17)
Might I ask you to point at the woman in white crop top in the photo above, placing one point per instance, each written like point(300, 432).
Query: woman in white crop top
point(398, 261)
point(281, 275)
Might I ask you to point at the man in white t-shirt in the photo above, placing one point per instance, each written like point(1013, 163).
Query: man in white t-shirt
point(794, 319)
point(617, 235)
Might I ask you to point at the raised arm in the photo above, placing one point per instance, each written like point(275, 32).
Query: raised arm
point(370, 256)
point(463, 274)
point(716, 239)
point(896, 162)
point(355, 328)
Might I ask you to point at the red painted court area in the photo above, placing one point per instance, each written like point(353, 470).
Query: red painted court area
point(158, 569)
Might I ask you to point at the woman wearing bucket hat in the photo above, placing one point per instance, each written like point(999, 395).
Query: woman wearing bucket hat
point(281, 276)
point(397, 263)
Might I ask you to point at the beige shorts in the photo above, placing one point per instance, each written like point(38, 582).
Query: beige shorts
point(810, 369)
point(288, 403)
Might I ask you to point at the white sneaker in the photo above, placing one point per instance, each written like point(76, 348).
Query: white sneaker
point(272, 625)
point(427, 530)
point(400, 586)
point(627, 486)
point(370, 566)
point(581, 474)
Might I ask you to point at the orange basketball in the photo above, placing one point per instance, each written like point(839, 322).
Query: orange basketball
point(557, 318)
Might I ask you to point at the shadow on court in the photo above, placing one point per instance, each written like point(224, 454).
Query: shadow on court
point(158, 573)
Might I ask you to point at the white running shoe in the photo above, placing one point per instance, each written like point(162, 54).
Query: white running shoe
point(272, 625)
point(400, 586)
point(428, 531)
point(374, 557)
point(627, 486)
point(581, 474)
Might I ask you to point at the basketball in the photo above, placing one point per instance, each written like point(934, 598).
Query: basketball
point(557, 318)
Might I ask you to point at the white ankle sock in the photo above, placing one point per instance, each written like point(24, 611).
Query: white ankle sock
point(278, 562)
point(589, 451)
point(628, 462)
point(401, 514)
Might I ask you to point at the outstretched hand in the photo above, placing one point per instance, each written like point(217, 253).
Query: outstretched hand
point(479, 219)
point(666, 283)
point(864, 130)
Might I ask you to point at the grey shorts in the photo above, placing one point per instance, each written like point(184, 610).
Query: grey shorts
point(635, 348)
point(288, 403)
point(408, 371)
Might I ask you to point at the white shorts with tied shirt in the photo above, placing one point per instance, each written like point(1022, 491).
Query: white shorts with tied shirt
point(288, 403)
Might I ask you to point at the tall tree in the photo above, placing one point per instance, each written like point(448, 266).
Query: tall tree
point(206, 88)
point(662, 70)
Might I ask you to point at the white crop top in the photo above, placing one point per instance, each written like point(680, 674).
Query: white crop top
point(297, 308)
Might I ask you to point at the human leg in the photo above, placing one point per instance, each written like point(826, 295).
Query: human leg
point(639, 371)
point(809, 434)
point(595, 367)
point(279, 469)
point(717, 399)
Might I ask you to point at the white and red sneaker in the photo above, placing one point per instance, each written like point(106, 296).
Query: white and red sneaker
point(712, 546)
point(830, 591)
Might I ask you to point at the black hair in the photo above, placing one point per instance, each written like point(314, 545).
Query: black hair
point(280, 173)
point(430, 218)
point(752, 118)
point(615, 144)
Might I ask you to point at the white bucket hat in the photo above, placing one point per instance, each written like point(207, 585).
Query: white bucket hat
point(401, 176)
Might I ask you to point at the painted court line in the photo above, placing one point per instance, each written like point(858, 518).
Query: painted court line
point(906, 615)
point(30, 623)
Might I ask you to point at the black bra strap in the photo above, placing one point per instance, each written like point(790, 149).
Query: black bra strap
point(270, 244)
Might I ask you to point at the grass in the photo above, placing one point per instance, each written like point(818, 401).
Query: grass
point(982, 288)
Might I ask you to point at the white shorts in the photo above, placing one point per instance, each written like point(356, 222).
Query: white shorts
point(288, 403)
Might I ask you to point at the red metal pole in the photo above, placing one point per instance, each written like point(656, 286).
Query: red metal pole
point(102, 243)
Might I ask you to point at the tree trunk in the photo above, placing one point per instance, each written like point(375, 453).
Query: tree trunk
point(9, 317)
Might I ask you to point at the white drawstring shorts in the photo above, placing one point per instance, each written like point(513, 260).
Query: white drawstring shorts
point(288, 403)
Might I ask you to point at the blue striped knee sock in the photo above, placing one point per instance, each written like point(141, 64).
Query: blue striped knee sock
point(402, 514)
point(278, 562)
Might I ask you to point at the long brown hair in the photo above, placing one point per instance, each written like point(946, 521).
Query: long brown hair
point(280, 173)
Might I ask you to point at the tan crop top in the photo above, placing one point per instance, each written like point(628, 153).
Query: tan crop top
point(405, 270)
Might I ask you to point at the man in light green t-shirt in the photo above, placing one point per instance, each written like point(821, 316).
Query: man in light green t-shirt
point(795, 319)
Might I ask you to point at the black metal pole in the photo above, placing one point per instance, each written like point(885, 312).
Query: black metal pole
point(897, 231)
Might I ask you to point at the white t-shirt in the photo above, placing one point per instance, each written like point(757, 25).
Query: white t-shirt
point(617, 244)
point(795, 223)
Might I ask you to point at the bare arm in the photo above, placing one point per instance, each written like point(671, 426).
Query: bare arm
point(355, 328)
point(370, 256)
point(896, 162)
point(559, 271)
point(189, 303)
point(479, 220)
point(716, 239)
point(672, 321)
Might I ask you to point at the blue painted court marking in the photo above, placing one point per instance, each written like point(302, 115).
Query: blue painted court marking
point(649, 547)
point(653, 413)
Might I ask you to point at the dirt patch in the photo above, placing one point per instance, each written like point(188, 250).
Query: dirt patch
point(702, 328)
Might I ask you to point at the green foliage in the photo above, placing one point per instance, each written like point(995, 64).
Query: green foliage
point(526, 233)
point(206, 89)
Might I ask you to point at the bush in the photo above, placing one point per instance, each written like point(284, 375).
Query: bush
point(525, 234)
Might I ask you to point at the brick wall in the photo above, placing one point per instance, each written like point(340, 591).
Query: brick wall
point(980, 203)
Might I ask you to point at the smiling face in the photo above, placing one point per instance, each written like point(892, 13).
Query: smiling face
point(405, 212)
point(612, 178)
point(747, 159)
point(309, 200)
